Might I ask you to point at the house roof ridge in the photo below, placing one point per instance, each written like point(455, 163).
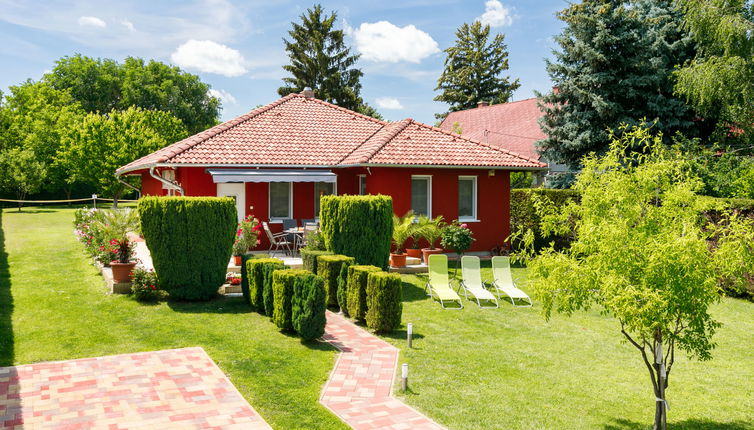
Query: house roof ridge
point(395, 128)
point(341, 108)
point(486, 130)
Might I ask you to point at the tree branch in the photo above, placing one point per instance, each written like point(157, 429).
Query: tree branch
point(643, 351)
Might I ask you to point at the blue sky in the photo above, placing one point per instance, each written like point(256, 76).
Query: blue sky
point(237, 47)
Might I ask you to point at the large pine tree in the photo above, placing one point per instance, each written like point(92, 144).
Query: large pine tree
point(614, 66)
point(474, 68)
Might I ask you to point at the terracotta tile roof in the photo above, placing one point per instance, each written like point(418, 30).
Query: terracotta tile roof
point(300, 131)
point(512, 126)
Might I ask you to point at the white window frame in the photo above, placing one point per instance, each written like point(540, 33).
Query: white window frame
point(269, 203)
point(474, 199)
point(429, 191)
point(362, 181)
point(334, 193)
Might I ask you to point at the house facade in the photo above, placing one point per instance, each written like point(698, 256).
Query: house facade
point(277, 160)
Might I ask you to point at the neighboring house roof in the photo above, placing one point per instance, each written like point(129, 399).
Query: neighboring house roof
point(512, 126)
point(303, 131)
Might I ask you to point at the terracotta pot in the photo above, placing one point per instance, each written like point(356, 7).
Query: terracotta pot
point(122, 271)
point(426, 252)
point(397, 260)
point(414, 252)
point(237, 260)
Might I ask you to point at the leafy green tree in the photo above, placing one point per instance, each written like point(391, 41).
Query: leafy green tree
point(642, 254)
point(614, 66)
point(105, 142)
point(474, 68)
point(20, 172)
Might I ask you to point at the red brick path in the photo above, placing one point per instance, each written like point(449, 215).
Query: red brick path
point(171, 389)
point(359, 388)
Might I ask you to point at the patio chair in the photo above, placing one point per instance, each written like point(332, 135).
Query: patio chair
point(309, 227)
point(304, 222)
point(277, 240)
point(438, 284)
point(288, 224)
point(503, 282)
point(471, 281)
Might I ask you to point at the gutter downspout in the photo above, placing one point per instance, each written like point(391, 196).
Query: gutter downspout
point(138, 191)
point(166, 182)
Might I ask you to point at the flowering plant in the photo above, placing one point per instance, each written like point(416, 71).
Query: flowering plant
point(233, 278)
point(145, 285)
point(246, 235)
point(96, 238)
point(457, 236)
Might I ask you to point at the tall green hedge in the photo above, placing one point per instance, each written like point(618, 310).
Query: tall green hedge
point(308, 306)
point(282, 293)
point(524, 214)
point(309, 258)
point(245, 276)
point(358, 226)
point(190, 240)
point(342, 289)
point(260, 282)
point(357, 290)
point(328, 267)
point(384, 307)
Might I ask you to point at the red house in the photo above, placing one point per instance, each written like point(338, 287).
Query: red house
point(278, 159)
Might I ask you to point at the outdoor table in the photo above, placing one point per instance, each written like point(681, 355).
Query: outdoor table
point(298, 233)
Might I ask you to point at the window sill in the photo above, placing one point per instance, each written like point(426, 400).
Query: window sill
point(275, 221)
point(468, 220)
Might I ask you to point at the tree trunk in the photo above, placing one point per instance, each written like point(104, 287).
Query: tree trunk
point(116, 196)
point(661, 410)
point(67, 190)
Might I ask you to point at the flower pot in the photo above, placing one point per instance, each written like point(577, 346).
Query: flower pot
point(122, 271)
point(414, 252)
point(397, 260)
point(237, 260)
point(426, 252)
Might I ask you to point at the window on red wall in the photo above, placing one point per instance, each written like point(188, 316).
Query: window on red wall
point(281, 200)
point(467, 198)
point(421, 195)
point(362, 185)
point(322, 189)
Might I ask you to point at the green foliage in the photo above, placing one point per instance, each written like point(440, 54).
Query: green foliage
point(357, 290)
point(527, 206)
point(329, 268)
point(343, 288)
point(189, 239)
point(259, 272)
point(115, 225)
point(521, 180)
point(282, 293)
point(245, 275)
point(314, 241)
point(309, 306)
point(403, 229)
point(725, 173)
point(473, 70)
point(384, 307)
point(309, 258)
point(145, 286)
point(430, 229)
point(20, 172)
point(457, 237)
point(358, 226)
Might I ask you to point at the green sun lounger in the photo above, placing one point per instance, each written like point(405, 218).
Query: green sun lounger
point(471, 281)
point(438, 284)
point(503, 281)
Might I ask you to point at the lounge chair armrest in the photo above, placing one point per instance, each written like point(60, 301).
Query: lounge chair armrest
point(281, 234)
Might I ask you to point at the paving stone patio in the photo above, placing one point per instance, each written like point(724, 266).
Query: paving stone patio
point(359, 388)
point(171, 389)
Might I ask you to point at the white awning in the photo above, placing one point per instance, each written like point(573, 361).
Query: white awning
point(258, 175)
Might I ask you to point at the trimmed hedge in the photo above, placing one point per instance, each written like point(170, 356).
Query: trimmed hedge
point(358, 226)
point(259, 271)
point(357, 290)
point(308, 306)
point(309, 258)
point(328, 267)
point(245, 276)
point(524, 214)
point(282, 296)
point(190, 240)
point(384, 307)
point(342, 289)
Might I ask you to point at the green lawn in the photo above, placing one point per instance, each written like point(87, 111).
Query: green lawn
point(474, 369)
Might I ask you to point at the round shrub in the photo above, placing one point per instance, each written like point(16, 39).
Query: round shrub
point(259, 271)
point(282, 296)
point(356, 287)
point(144, 285)
point(328, 267)
point(384, 307)
point(308, 306)
point(309, 258)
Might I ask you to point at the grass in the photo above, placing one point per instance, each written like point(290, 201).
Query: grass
point(53, 306)
point(509, 368)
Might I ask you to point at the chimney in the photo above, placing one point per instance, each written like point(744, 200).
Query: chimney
point(308, 92)
point(482, 104)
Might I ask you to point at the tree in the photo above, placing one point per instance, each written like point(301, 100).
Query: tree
point(101, 85)
point(320, 60)
point(20, 173)
point(105, 142)
point(614, 66)
point(474, 68)
point(642, 254)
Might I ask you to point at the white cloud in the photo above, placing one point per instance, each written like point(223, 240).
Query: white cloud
point(208, 56)
point(496, 14)
point(385, 42)
point(91, 21)
point(390, 103)
point(128, 24)
point(224, 96)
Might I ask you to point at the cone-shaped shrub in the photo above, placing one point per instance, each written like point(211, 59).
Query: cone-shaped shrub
point(384, 305)
point(282, 296)
point(308, 307)
point(342, 284)
point(309, 258)
point(356, 287)
point(259, 271)
point(328, 267)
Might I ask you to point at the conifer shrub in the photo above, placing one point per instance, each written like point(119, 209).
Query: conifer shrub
point(309, 258)
point(328, 267)
point(308, 306)
point(282, 296)
point(259, 272)
point(245, 276)
point(384, 307)
point(356, 287)
point(342, 289)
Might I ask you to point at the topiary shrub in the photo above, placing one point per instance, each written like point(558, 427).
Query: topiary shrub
point(245, 276)
point(328, 267)
point(259, 272)
point(282, 296)
point(357, 290)
point(308, 306)
point(384, 305)
point(342, 289)
point(309, 258)
point(190, 240)
point(358, 226)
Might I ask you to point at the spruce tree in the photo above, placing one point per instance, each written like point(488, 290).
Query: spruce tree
point(614, 66)
point(474, 68)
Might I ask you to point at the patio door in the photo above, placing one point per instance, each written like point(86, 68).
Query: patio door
point(237, 191)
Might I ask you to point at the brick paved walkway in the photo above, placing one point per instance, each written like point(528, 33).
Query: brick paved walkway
point(359, 388)
point(171, 389)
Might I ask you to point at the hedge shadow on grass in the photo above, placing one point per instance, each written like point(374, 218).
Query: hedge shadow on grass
point(7, 355)
point(691, 424)
point(411, 292)
point(217, 305)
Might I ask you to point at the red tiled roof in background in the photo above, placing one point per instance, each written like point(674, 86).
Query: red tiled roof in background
point(512, 126)
point(302, 131)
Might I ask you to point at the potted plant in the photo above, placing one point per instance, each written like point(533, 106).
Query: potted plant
point(403, 227)
point(239, 249)
point(246, 238)
point(414, 251)
point(457, 237)
point(430, 230)
point(116, 224)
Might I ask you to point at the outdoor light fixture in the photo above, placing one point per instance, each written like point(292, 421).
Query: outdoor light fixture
point(409, 333)
point(404, 376)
